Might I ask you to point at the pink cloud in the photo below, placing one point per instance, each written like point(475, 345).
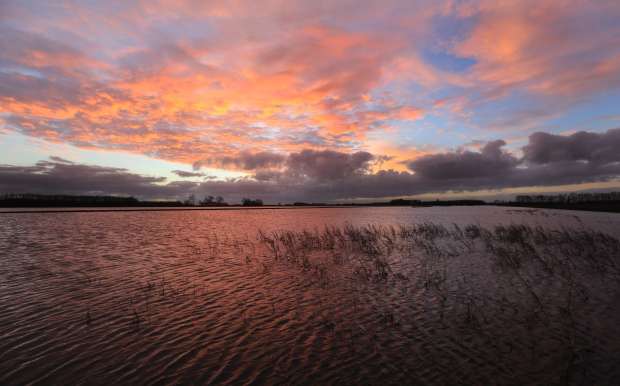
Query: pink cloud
point(192, 81)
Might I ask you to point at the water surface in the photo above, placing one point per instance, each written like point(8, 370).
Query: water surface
point(193, 297)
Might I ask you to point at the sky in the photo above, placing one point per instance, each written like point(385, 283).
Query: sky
point(323, 101)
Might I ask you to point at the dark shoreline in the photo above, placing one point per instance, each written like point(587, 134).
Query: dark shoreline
point(594, 207)
point(42, 203)
point(158, 209)
point(608, 207)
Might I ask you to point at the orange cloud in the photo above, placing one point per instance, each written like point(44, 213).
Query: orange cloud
point(551, 47)
point(169, 104)
point(189, 81)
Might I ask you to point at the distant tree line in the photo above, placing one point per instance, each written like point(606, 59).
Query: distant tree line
point(571, 198)
point(599, 202)
point(206, 201)
point(403, 202)
point(578, 201)
point(399, 202)
point(219, 201)
point(251, 202)
point(63, 200)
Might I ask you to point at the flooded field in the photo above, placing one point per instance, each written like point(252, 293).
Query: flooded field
point(460, 295)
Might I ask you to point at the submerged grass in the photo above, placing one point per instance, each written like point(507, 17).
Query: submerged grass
point(510, 247)
point(533, 293)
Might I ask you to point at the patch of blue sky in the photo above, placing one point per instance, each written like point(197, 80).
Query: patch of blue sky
point(597, 114)
point(434, 131)
point(451, 27)
point(446, 61)
point(22, 71)
point(394, 94)
point(515, 116)
point(517, 111)
point(446, 32)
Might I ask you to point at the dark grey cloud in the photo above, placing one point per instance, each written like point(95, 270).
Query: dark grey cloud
point(267, 175)
point(599, 148)
point(328, 175)
point(245, 161)
point(184, 174)
point(328, 164)
point(491, 161)
point(69, 178)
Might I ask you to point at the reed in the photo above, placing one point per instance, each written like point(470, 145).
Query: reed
point(546, 275)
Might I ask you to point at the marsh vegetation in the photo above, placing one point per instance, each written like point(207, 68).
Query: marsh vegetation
point(530, 303)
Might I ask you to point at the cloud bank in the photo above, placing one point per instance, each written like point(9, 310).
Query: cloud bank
point(548, 160)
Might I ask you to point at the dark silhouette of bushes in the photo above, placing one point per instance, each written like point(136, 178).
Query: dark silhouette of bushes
point(251, 202)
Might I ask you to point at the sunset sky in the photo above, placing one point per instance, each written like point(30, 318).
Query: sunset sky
point(309, 100)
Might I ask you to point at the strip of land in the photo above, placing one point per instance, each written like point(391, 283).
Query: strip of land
point(38, 203)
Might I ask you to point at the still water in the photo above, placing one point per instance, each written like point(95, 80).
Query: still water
point(192, 297)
